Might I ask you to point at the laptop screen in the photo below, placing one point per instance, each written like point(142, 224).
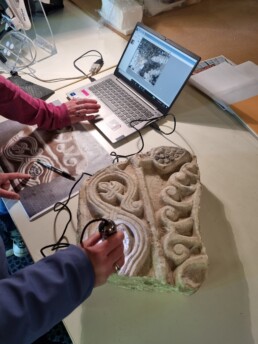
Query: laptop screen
point(155, 67)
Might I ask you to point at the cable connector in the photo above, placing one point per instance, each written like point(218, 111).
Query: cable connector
point(155, 126)
point(96, 66)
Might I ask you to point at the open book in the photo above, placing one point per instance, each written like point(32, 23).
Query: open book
point(72, 149)
point(233, 87)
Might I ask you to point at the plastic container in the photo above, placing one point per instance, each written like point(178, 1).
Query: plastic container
point(121, 14)
point(153, 7)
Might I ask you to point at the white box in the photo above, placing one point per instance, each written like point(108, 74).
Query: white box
point(153, 7)
point(122, 14)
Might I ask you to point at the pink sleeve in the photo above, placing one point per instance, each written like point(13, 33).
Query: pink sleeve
point(17, 105)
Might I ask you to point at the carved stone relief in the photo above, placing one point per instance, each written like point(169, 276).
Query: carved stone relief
point(154, 198)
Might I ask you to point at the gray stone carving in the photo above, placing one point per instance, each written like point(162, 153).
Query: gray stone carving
point(154, 198)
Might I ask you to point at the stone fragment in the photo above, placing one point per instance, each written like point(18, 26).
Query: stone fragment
point(154, 198)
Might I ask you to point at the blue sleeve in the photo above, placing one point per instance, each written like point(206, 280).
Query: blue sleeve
point(37, 297)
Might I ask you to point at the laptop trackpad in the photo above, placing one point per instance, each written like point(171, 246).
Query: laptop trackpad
point(113, 124)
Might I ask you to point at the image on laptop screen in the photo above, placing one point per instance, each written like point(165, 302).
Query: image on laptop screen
point(155, 67)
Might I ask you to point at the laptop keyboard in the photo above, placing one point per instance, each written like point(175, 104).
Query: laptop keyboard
point(120, 102)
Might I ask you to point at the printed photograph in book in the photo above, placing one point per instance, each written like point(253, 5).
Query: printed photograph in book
point(72, 150)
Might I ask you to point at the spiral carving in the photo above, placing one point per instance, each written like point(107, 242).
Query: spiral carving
point(61, 149)
point(154, 198)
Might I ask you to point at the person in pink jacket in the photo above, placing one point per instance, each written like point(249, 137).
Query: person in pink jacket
point(36, 298)
point(17, 105)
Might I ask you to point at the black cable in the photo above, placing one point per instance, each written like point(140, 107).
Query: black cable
point(87, 225)
point(58, 207)
point(157, 128)
point(149, 122)
point(118, 156)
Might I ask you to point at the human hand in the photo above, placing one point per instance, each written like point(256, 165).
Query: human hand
point(5, 182)
point(104, 255)
point(82, 109)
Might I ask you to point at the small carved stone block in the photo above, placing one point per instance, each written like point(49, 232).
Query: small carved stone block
point(154, 198)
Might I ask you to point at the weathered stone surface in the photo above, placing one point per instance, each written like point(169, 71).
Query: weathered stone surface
point(154, 198)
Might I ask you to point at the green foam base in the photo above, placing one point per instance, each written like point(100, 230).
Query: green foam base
point(145, 284)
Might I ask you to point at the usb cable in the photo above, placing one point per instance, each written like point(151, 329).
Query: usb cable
point(96, 66)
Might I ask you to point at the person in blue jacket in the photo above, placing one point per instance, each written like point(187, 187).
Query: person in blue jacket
point(37, 297)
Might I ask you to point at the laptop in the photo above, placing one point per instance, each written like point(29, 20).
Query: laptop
point(147, 80)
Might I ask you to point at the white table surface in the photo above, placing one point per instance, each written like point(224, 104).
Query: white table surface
point(75, 33)
point(225, 309)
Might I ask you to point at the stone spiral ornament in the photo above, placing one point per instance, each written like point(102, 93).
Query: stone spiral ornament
point(154, 198)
